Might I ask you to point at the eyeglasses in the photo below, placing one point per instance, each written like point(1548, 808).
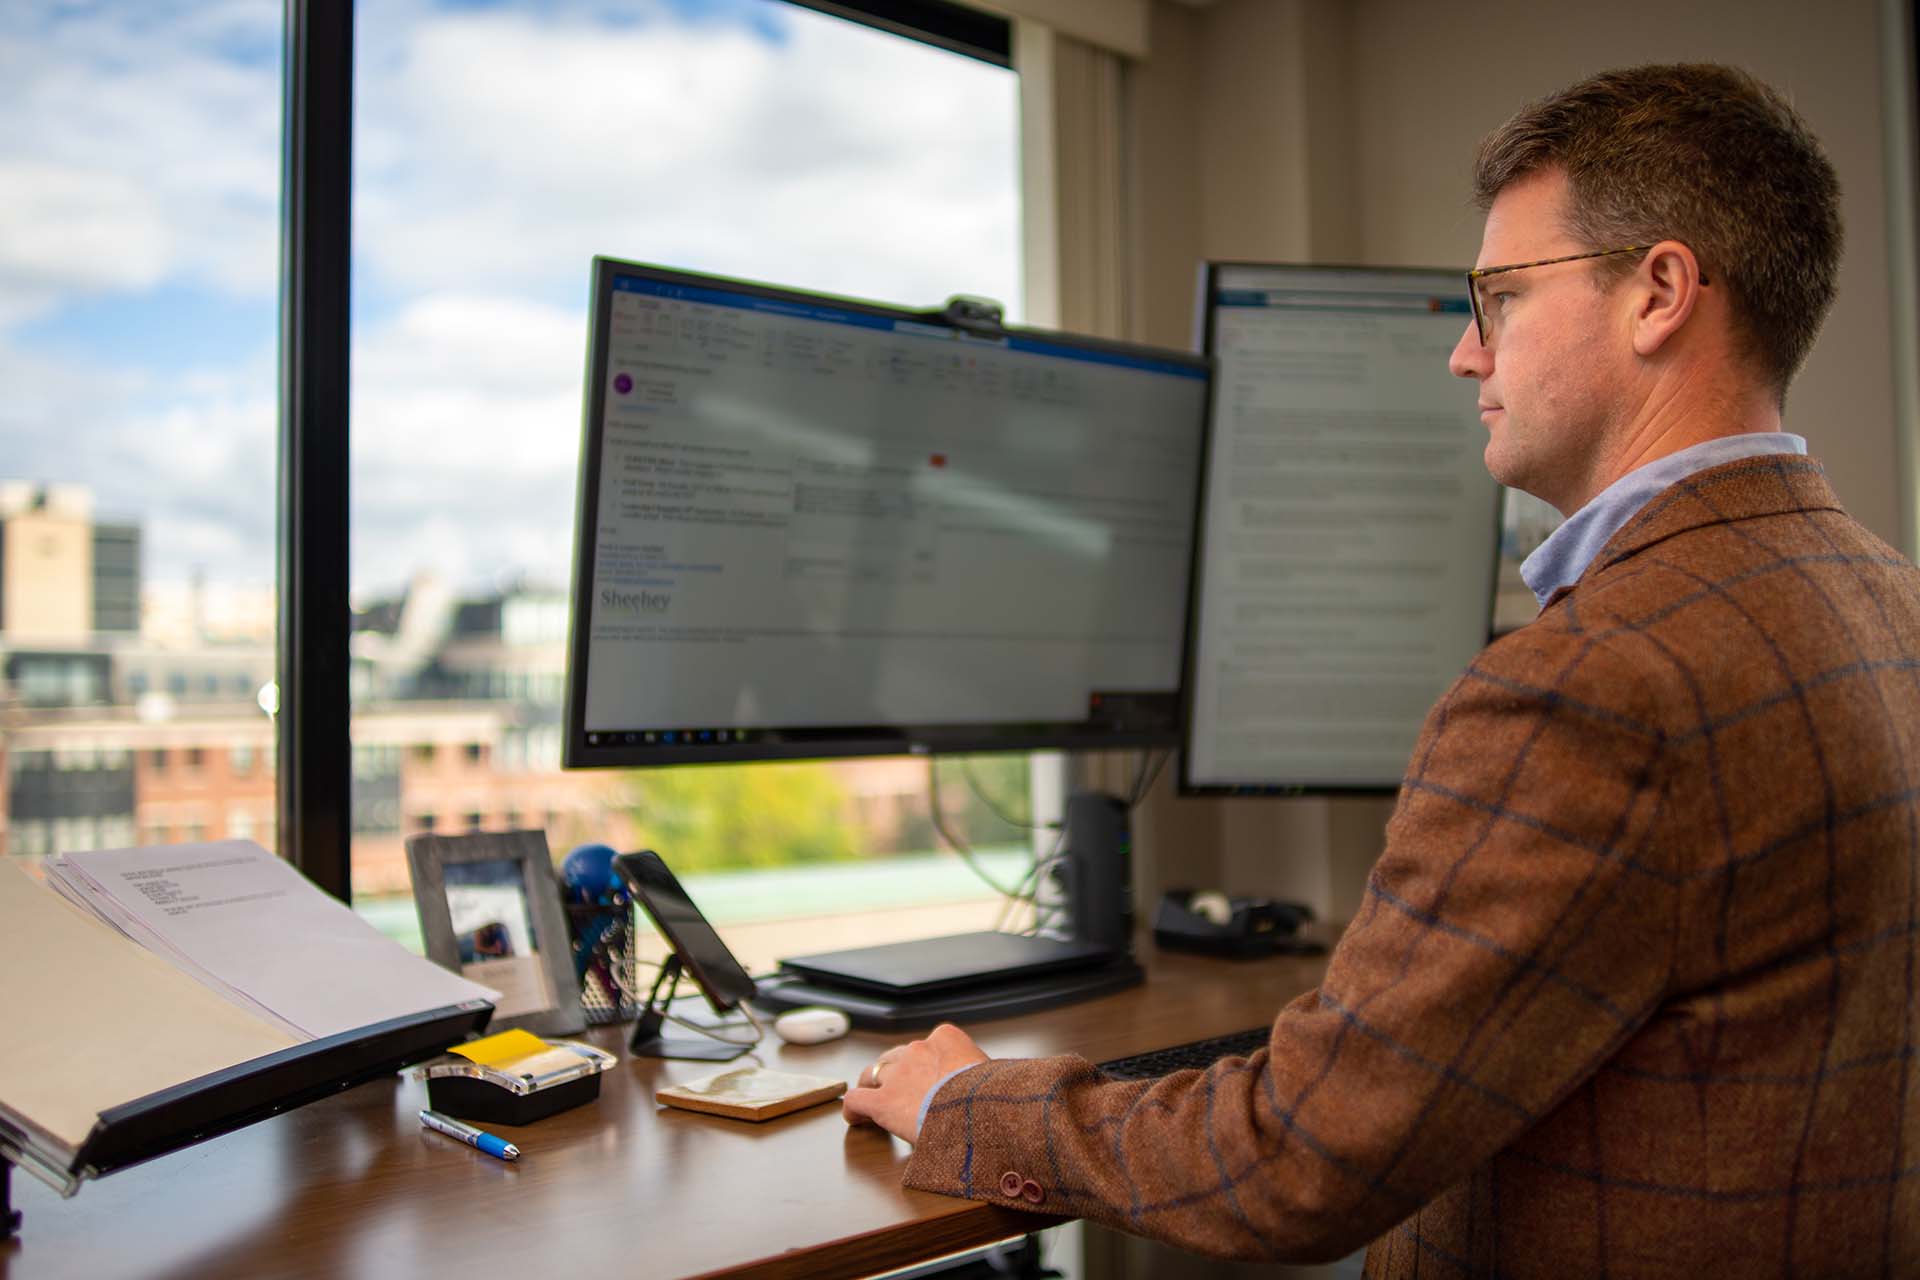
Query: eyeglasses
point(1475, 276)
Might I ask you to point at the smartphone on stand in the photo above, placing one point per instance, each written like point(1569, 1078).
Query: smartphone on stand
point(696, 948)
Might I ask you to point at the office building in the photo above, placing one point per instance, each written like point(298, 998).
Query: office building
point(62, 573)
point(120, 734)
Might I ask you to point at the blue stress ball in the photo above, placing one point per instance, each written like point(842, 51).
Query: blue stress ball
point(588, 875)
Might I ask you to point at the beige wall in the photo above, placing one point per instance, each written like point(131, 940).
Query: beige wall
point(1826, 57)
point(1341, 131)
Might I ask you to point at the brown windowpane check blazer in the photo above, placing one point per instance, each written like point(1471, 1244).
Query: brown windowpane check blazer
point(1632, 991)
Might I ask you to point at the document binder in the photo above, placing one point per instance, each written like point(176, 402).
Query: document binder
point(125, 1055)
point(235, 1097)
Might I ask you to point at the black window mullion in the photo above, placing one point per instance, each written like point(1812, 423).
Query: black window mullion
point(313, 720)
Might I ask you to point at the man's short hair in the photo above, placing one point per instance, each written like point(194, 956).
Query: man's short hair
point(1703, 154)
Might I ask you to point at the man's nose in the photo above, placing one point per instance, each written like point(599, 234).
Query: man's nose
point(1470, 359)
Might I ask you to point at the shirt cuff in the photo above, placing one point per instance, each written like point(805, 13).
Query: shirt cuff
point(926, 1103)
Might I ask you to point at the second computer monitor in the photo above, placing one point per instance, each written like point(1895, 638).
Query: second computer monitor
point(1348, 542)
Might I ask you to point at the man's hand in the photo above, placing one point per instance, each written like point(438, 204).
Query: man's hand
point(889, 1092)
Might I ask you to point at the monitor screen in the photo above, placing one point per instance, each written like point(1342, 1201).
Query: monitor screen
point(808, 526)
point(1349, 538)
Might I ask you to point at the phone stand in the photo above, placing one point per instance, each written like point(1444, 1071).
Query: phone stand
point(647, 1040)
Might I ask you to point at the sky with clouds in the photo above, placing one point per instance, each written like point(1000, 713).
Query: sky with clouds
point(497, 148)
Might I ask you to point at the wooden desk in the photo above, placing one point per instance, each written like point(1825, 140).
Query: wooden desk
point(353, 1186)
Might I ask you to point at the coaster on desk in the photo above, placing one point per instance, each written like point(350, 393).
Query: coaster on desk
point(751, 1093)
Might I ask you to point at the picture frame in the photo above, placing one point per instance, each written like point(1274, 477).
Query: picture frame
point(489, 908)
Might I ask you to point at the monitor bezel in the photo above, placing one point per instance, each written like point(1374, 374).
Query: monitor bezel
point(1208, 277)
point(771, 743)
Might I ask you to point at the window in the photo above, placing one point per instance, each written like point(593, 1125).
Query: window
point(75, 833)
point(50, 680)
point(241, 758)
point(782, 144)
point(74, 758)
point(140, 153)
point(147, 143)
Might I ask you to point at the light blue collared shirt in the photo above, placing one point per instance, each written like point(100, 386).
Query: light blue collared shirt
point(926, 1103)
point(1564, 556)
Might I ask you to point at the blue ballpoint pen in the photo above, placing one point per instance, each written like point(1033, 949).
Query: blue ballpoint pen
point(473, 1137)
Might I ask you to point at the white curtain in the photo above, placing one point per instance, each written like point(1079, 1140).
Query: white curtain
point(1074, 181)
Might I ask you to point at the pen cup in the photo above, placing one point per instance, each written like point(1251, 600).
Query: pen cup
point(600, 922)
point(603, 959)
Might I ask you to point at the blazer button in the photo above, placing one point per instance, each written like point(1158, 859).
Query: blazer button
point(1011, 1185)
point(1032, 1192)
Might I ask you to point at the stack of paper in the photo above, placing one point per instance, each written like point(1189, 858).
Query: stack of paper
point(253, 929)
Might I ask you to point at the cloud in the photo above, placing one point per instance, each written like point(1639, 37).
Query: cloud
point(495, 153)
point(192, 461)
point(65, 230)
point(841, 158)
point(466, 412)
point(138, 147)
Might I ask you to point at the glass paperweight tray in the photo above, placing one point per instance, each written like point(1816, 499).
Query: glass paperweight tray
point(517, 1087)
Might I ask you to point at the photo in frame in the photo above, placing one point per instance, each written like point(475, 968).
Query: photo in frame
point(490, 910)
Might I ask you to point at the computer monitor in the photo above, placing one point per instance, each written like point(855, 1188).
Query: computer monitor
point(1350, 529)
point(808, 526)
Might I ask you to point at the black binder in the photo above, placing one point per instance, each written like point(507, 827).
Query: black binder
point(233, 1098)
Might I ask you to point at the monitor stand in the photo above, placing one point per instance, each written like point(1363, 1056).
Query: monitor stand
point(990, 998)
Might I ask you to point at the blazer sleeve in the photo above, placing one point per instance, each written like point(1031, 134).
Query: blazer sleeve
point(1517, 929)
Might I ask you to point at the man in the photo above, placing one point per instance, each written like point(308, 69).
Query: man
point(1632, 990)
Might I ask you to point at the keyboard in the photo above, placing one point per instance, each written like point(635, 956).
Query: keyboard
point(1196, 1053)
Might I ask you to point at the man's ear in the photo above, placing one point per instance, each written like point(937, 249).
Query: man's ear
point(1668, 286)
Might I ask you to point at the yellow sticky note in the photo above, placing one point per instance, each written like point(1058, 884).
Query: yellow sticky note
point(492, 1051)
